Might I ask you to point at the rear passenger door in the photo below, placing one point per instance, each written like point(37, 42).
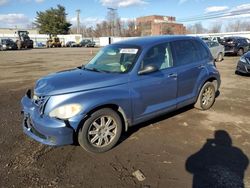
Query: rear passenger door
point(190, 57)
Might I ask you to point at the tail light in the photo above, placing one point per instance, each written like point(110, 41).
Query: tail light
point(231, 43)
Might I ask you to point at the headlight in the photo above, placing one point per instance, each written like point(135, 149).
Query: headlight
point(66, 111)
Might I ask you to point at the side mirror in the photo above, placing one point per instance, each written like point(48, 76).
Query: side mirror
point(148, 69)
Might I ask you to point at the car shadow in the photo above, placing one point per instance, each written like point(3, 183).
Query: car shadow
point(137, 127)
point(242, 74)
point(218, 163)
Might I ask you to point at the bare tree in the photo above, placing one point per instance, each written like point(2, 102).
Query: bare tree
point(234, 26)
point(197, 28)
point(216, 28)
point(238, 26)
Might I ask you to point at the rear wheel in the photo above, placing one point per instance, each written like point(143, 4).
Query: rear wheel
point(101, 131)
point(206, 97)
point(240, 52)
point(220, 57)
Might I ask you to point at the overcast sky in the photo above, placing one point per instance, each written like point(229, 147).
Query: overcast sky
point(20, 13)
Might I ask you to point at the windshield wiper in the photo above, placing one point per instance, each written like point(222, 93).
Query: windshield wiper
point(92, 69)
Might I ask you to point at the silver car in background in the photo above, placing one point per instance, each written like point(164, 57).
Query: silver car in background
point(217, 50)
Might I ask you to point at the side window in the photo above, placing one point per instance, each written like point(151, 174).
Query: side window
point(209, 44)
point(202, 51)
point(215, 44)
point(185, 52)
point(159, 56)
point(244, 41)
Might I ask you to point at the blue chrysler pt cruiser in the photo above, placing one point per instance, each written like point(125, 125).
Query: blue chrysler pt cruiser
point(126, 83)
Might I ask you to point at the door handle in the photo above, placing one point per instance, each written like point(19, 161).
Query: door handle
point(172, 75)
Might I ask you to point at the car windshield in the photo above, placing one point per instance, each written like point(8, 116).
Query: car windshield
point(114, 59)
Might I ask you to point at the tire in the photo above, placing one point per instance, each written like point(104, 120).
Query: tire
point(95, 135)
point(240, 52)
point(206, 97)
point(219, 57)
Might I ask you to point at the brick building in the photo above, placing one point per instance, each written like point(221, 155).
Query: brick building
point(159, 25)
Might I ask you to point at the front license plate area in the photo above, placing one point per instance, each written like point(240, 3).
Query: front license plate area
point(28, 123)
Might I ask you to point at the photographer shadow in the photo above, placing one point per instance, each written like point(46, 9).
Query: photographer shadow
point(218, 164)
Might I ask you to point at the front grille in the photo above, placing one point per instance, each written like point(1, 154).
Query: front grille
point(40, 102)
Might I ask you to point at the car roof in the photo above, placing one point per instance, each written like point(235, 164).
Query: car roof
point(151, 40)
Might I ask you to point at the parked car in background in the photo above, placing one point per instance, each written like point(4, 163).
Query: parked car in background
point(217, 50)
point(125, 84)
point(87, 43)
point(204, 38)
point(40, 45)
point(248, 41)
point(243, 65)
point(220, 40)
point(236, 45)
point(72, 44)
point(8, 44)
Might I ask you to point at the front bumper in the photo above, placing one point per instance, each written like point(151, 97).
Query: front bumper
point(46, 130)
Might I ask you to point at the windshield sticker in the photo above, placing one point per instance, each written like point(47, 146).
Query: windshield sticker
point(128, 51)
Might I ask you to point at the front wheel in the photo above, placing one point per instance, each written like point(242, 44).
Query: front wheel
point(101, 131)
point(206, 97)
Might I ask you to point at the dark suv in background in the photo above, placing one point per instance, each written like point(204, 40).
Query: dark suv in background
point(7, 44)
point(87, 43)
point(236, 45)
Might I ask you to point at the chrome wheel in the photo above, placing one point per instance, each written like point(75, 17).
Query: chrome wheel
point(207, 96)
point(102, 131)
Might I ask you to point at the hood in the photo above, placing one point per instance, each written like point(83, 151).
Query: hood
point(77, 80)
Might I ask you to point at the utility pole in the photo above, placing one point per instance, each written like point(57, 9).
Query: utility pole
point(112, 16)
point(78, 21)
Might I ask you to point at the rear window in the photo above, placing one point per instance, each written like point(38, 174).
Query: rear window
point(189, 51)
point(229, 40)
point(202, 52)
point(185, 52)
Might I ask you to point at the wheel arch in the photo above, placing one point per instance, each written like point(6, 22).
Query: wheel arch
point(114, 107)
point(210, 79)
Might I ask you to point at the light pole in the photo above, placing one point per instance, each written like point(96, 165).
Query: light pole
point(112, 20)
point(78, 21)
